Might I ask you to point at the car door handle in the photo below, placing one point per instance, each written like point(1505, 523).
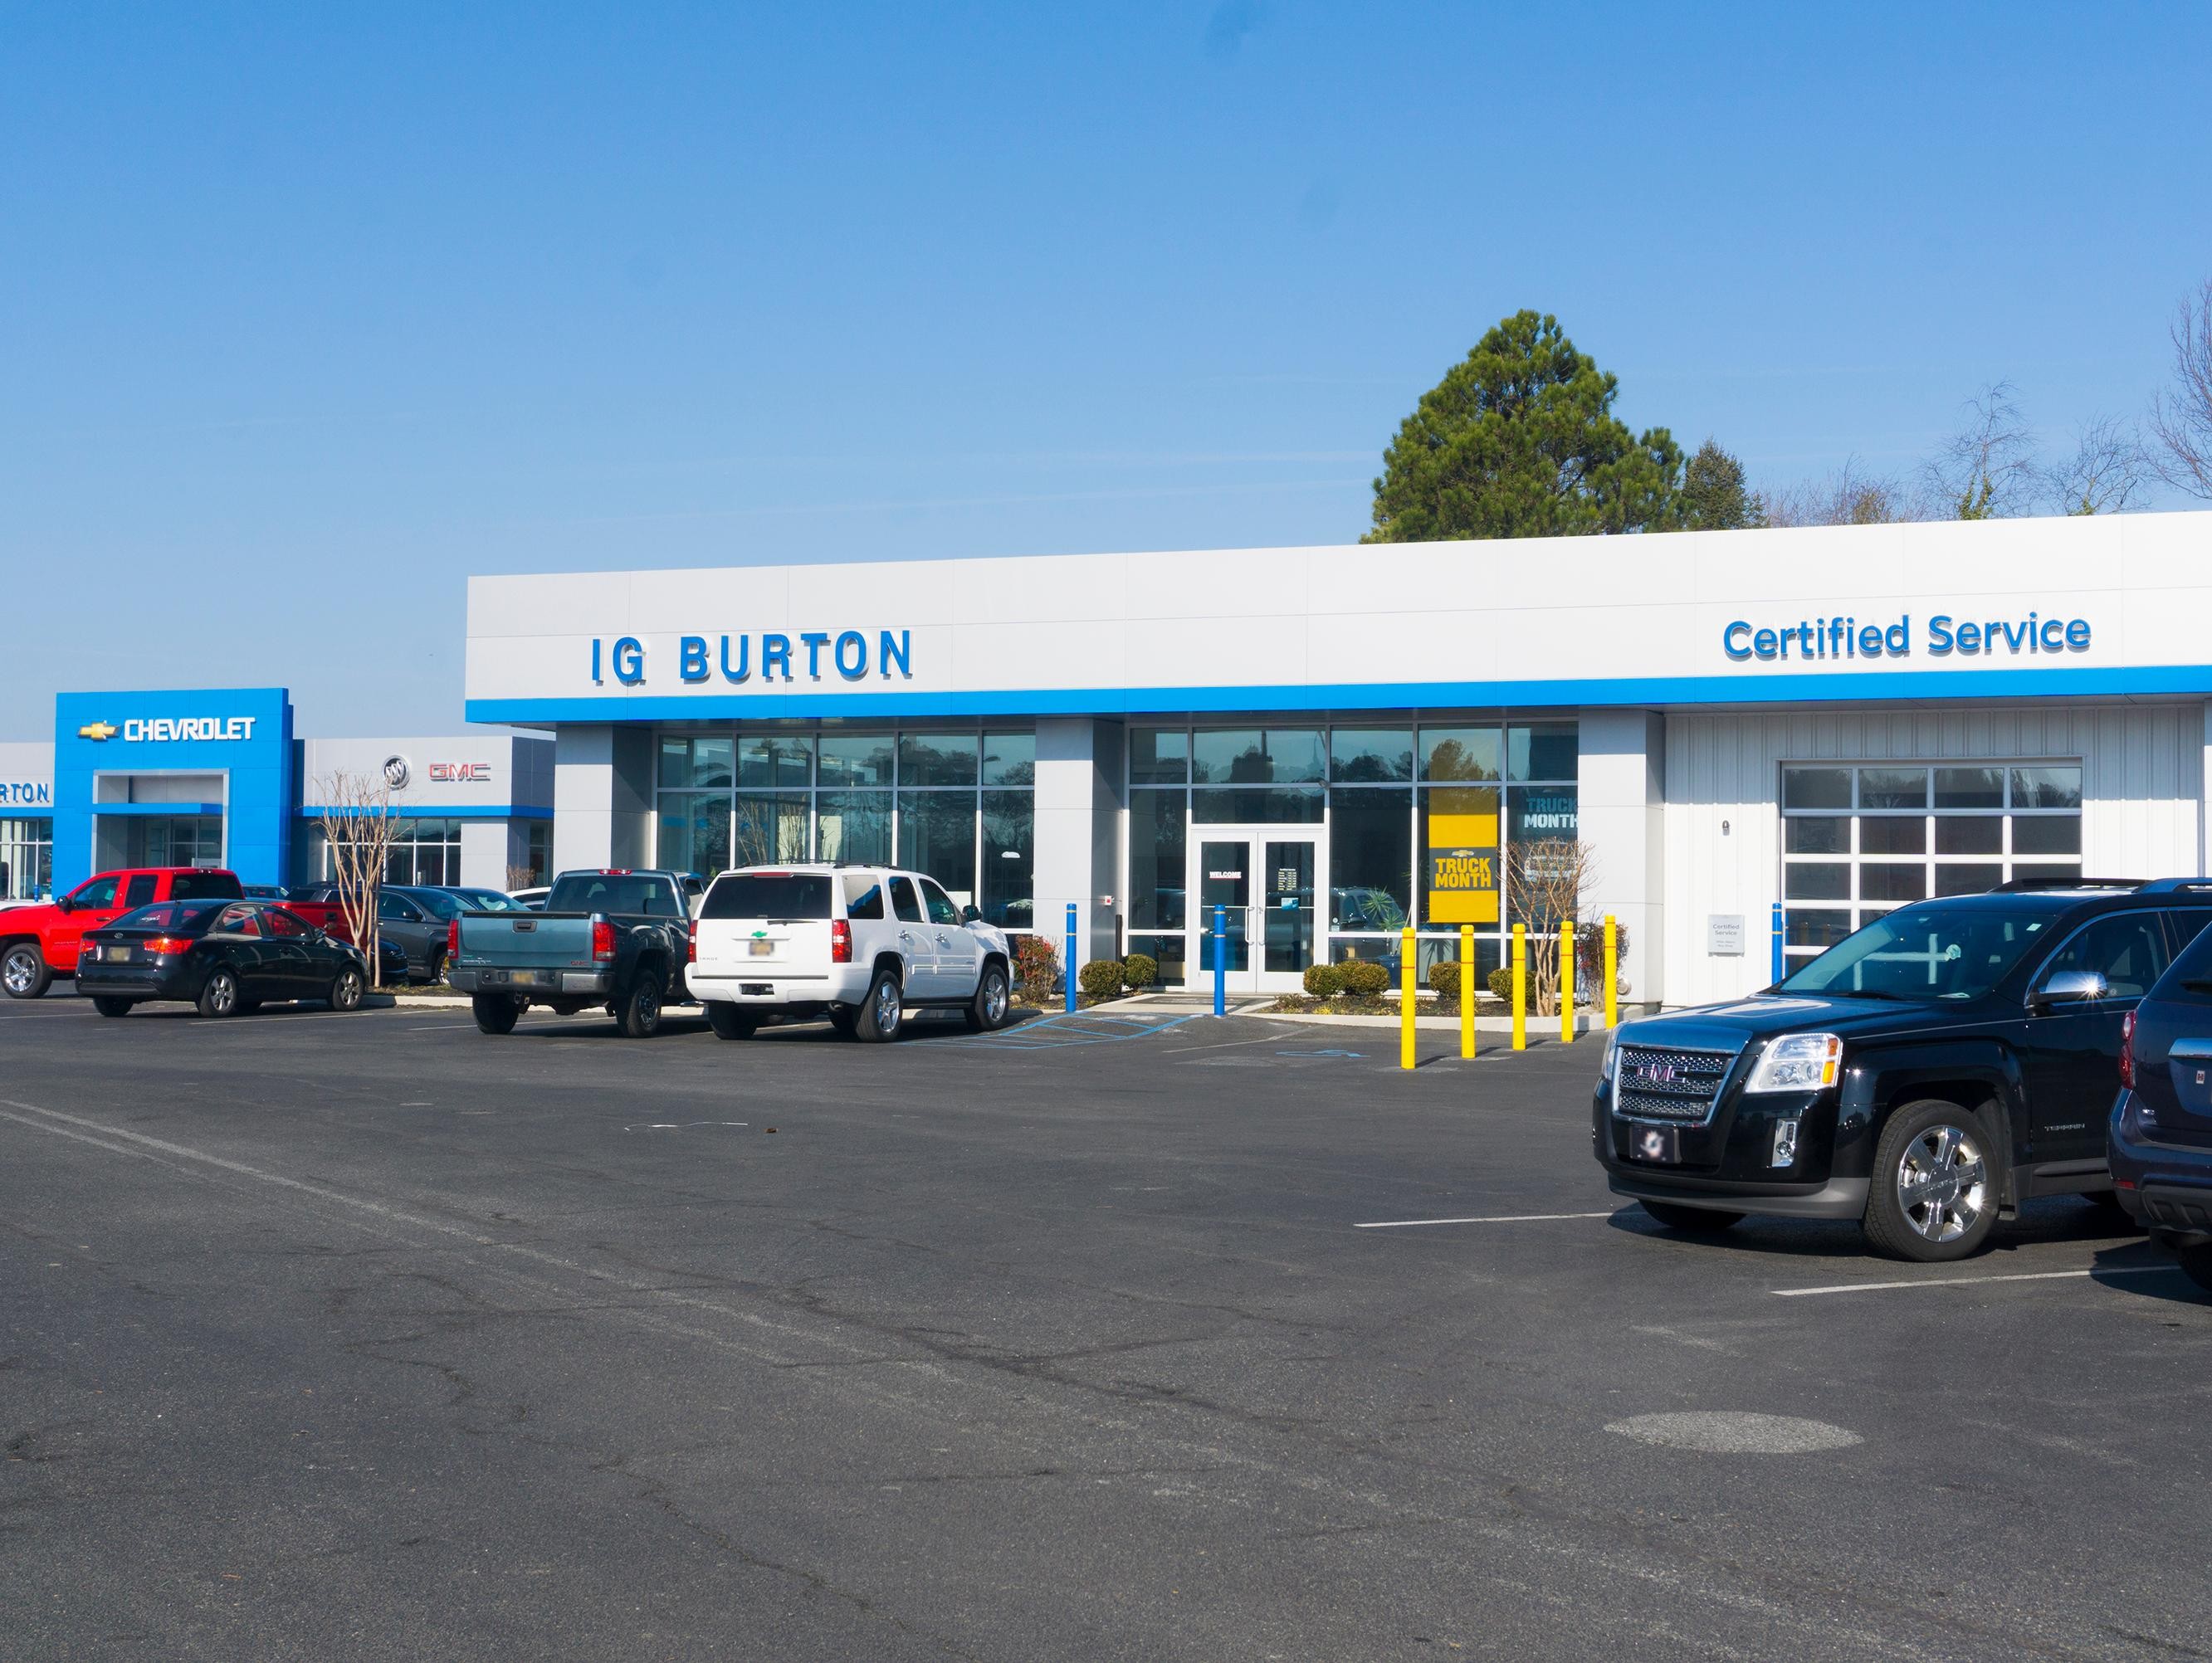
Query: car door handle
point(2195, 1051)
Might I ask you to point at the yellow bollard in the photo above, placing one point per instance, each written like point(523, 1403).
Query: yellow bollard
point(1406, 1003)
point(1612, 975)
point(1467, 990)
point(1520, 987)
point(1567, 982)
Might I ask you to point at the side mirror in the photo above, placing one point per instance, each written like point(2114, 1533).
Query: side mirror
point(971, 914)
point(2072, 988)
point(64, 904)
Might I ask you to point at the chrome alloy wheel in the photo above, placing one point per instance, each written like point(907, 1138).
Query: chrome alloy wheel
point(19, 971)
point(889, 1004)
point(222, 994)
point(1943, 1183)
point(995, 997)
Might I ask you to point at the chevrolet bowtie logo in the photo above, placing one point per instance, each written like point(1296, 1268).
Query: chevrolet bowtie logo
point(98, 730)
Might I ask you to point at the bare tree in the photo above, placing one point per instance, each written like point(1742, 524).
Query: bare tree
point(1544, 886)
point(1848, 496)
point(2108, 468)
point(2181, 417)
point(1986, 469)
point(358, 827)
point(520, 877)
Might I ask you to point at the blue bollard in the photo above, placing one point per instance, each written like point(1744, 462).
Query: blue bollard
point(1070, 955)
point(1777, 941)
point(1221, 960)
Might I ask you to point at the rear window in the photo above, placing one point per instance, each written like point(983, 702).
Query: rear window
point(613, 892)
point(185, 918)
point(783, 896)
point(439, 905)
point(216, 886)
point(864, 897)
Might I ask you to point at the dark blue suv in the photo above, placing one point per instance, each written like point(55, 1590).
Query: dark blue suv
point(2160, 1139)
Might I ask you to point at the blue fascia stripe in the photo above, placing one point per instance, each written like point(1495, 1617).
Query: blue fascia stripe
point(1748, 688)
point(155, 811)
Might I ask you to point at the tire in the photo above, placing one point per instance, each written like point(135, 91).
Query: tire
point(1691, 1221)
point(884, 1012)
point(437, 967)
point(728, 1022)
point(638, 1012)
point(844, 1018)
point(23, 972)
point(219, 993)
point(1940, 1153)
point(993, 998)
point(496, 1013)
point(2197, 1265)
point(345, 990)
point(109, 1004)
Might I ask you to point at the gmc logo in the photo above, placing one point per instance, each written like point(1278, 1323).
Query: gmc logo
point(1657, 1073)
point(460, 774)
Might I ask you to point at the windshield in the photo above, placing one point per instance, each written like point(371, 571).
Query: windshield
point(1926, 953)
point(783, 896)
point(184, 917)
point(439, 905)
point(491, 901)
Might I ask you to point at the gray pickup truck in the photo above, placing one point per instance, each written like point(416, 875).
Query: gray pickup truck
point(615, 939)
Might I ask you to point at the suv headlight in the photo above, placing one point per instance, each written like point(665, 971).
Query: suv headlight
point(1612, 1058)
point(1798, 1062)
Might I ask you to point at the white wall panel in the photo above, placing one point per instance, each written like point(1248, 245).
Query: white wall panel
point(2143, 769)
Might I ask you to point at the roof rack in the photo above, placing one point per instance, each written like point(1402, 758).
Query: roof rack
point(2033, 885)
point(2176, 886)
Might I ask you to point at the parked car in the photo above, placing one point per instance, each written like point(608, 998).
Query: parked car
point(1924, 1076)
point(615, 938)
point(225, 957)
point(859, 944)
point(39, 943)
point(266, 892)
point(480, 900)
point(532, 900)
point(319, 905)
point(2158, 1136)
point(417, 920)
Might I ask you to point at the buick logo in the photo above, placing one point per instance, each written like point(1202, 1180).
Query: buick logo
point(395, 773)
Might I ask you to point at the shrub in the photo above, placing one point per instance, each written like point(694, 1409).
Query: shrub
point(1037, 967)
point(1324, 982)
point(1101, 977)
point(1501, 982)
point(1140, 970)
point(1362, 979)
point(1444, 979)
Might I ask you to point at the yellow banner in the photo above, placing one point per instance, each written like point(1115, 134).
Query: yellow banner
point(1463, 862)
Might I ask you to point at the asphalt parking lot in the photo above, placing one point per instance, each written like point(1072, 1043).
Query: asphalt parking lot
point(372, 1336)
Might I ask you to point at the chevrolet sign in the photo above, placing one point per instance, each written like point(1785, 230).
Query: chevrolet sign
point(161, 730)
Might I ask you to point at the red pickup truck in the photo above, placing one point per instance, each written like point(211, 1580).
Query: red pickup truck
point(38, 944)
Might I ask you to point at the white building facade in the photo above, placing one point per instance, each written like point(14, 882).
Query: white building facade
point(1328, 744)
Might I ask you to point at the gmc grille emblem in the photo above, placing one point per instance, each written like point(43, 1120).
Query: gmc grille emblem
point(1657, 1073)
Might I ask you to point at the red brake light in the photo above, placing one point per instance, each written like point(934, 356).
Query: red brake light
point(169, 945)
point(603, 939)
point(2128, 1052)
point(691, 950)
point(614, 871)
point(453, 938)
point(841, 942)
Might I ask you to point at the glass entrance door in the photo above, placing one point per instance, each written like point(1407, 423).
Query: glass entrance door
point(1263, 884)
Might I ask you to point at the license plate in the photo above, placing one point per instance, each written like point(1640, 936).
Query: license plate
point(525, 978)
point(114, 955)
point(1662, 1143)
point(762, 948)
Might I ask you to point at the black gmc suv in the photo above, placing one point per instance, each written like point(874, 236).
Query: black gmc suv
point(1924, 1076)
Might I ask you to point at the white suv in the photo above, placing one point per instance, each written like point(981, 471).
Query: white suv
point(860, 944)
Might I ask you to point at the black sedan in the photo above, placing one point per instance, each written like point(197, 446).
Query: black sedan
point(224, 956)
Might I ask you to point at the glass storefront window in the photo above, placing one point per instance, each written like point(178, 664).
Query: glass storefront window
point(1543, 750)
point(27, 859)
point(1542, 811)
point(1255, 806)
point(767, 827)
point(699, 762)
point(1463, 863)
point(1009, 759)
point(770, 761)
point(937, 835)
point(856, 758)
point(1159, 757)
point(1371, 858)
point(1364, 754)
point(937, 759)
point(695, 832)
point(1158, 842)
point(1255, 756)
point(1009, 873)
point(2046, 788)
point(1816, 788)
point(1168, 949)
point(1460, 753)
point(853, 826)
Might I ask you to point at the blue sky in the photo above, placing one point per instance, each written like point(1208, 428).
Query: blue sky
point(308, 312)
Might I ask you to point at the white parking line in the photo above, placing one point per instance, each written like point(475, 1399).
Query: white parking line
point(1492, 1218)
point(1968, 1281)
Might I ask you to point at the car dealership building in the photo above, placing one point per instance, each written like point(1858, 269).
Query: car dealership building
point(1329, 742)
